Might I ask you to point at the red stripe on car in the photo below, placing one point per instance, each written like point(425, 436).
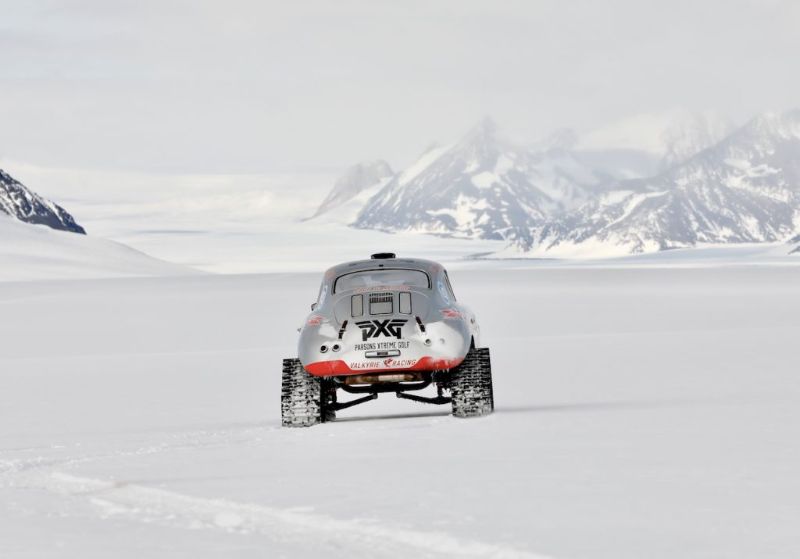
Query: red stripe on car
point(339, 367)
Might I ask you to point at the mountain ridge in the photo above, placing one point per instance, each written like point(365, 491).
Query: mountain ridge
point(743, 188)
point(482, 186)
point(746, 188)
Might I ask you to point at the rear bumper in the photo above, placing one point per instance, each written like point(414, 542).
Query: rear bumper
point(389, 365)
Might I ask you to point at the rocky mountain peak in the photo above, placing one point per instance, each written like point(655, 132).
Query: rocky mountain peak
point(22, 204)
point(480, 144)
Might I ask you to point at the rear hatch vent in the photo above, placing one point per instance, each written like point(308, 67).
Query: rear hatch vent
point(380, 303)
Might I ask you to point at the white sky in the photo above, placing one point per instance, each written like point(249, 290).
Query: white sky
point(236, 87)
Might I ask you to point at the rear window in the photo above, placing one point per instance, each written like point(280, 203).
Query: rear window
point(378, 279)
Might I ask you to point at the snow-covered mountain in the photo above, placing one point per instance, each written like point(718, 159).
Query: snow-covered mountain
point(745, 188)
point(563, 199)
point(25, 205)
point(481, 187)
point(353, 182)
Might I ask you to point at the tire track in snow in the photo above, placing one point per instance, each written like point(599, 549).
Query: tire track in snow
point(356, 537)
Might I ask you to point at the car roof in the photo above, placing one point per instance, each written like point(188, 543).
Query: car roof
point(427, 266)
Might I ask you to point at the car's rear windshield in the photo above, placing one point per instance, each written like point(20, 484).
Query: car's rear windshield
point(376, 279)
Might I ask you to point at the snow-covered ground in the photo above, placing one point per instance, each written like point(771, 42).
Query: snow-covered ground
point(640, 413)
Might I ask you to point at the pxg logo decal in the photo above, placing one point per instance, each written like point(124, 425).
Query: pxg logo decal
point(377, 328)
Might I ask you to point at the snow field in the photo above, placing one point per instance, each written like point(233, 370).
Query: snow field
point(640, 413)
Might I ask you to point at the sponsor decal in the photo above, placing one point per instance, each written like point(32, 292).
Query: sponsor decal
point(395, 363)
point(357, 366)
point(385, 364)
point(382, 288)
point(338, 367)
point(452, 313)
point(400, 344)
point(314, 320)
point(390, 328)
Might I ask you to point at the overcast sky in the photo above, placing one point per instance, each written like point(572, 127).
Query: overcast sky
point(232, 86)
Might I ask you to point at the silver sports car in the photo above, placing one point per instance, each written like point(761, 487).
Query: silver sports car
point(386, 325)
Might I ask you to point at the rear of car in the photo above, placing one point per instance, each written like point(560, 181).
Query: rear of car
point(384, 325)
point(384, 319)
